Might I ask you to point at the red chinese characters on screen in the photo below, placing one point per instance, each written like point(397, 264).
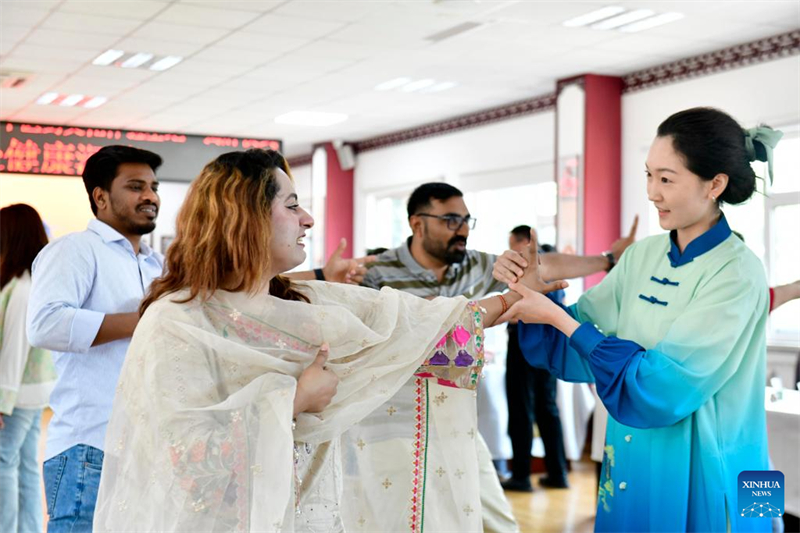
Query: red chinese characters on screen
point(21, 156)
point(66, 159)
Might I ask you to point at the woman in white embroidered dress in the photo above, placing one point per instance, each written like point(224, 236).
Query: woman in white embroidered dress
point(229, 354)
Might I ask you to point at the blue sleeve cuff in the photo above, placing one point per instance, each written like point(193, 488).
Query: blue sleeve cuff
point(585, 339)
point(85, 325)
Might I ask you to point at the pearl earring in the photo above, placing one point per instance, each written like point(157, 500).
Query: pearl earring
point(713, 198)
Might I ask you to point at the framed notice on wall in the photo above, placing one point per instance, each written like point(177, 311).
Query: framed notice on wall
point(63, 150)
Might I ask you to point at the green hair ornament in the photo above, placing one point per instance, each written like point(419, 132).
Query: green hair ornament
point(766, 137)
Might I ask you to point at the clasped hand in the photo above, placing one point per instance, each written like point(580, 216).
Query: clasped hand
point(521, 272)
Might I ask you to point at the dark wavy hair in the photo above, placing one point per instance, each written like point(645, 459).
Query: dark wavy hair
point(22, 237)
point(711, 142)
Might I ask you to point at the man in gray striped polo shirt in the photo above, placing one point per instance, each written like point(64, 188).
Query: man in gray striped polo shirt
point(435, 262)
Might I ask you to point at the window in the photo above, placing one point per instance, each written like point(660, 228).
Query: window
point(770, 223)
point(782, 226)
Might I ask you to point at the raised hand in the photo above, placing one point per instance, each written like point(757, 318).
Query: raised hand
point(514, 267)
point(341, 270)
point(619, 246)
point(316, 386)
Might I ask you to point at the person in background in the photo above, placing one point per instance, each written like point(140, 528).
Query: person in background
point(85, 291)
point(27, 374)
point(435, 261)
point(531, 396)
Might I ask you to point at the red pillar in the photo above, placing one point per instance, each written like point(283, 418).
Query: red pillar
point(602, 165)
point(338, 204)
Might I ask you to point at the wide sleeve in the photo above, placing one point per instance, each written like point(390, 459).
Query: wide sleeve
point(14, 346)
point(63, 276)
point(214, 433)
point(699, 354)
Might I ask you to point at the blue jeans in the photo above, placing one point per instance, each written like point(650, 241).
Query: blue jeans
point(21, 502)
point(71, 480)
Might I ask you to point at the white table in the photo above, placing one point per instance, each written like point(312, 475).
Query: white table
point(783, 431)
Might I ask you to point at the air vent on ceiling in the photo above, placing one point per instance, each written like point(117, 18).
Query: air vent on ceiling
point(13, 80)
point(452, 32)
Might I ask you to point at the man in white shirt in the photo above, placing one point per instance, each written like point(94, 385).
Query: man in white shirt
point(84, 307)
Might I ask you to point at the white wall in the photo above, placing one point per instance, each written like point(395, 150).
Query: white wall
point(765, 93)
point(506, 151)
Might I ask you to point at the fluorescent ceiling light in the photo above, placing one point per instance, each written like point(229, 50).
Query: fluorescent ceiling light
point(417, 85)
point(442, 86)
point(71, 100)
point(652, 22)
point(47, 98)
point(594, 16)
point(621, 20)
point(392, 84)
point(166, 62)
point(108, 57)
point(97, 101)
point(137, 60)
point(310, 118)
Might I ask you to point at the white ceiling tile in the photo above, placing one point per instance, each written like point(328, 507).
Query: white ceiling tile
point(9, 37)
point(547, 12)
point(125, 9)
point(387, 35)
point(271, 24)
point(239, 56)
point(21, 15)
point(269, 44)
point(36, 52)
point(187, 82)
point(246, 5)
point(47, 114)
point(71, 39)
point(40, 65)
point(206, 17)
point(176, 32)
point(240, 96)
point(158, 47)
point(217, 69)
point(108, 117)
point(329, 10)
point(163, 122)
point(81, 22)
point(785, 14)
point(655, 48)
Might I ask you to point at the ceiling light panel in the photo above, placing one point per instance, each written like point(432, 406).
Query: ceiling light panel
point(594, 16)
point(651, 22)
point(621, 20)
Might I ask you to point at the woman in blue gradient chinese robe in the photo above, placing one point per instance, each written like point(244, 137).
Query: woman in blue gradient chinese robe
point(674, 338)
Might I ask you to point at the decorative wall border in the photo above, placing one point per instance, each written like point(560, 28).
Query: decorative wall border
point(504, 112)
point(742, 55)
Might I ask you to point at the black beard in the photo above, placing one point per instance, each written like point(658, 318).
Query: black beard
point(132, 227)
point(445, 253)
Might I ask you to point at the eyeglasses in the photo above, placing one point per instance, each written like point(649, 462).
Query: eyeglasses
point(454, 222)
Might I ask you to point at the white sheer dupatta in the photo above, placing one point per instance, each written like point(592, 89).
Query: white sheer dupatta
point(200, 438)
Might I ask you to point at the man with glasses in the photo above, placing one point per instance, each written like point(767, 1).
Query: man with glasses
point(435, 262)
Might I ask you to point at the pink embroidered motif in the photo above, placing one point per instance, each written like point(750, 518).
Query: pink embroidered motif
point(461, 336)
point(441, 342)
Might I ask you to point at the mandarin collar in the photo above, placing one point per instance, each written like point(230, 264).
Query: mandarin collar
point(702, 244)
